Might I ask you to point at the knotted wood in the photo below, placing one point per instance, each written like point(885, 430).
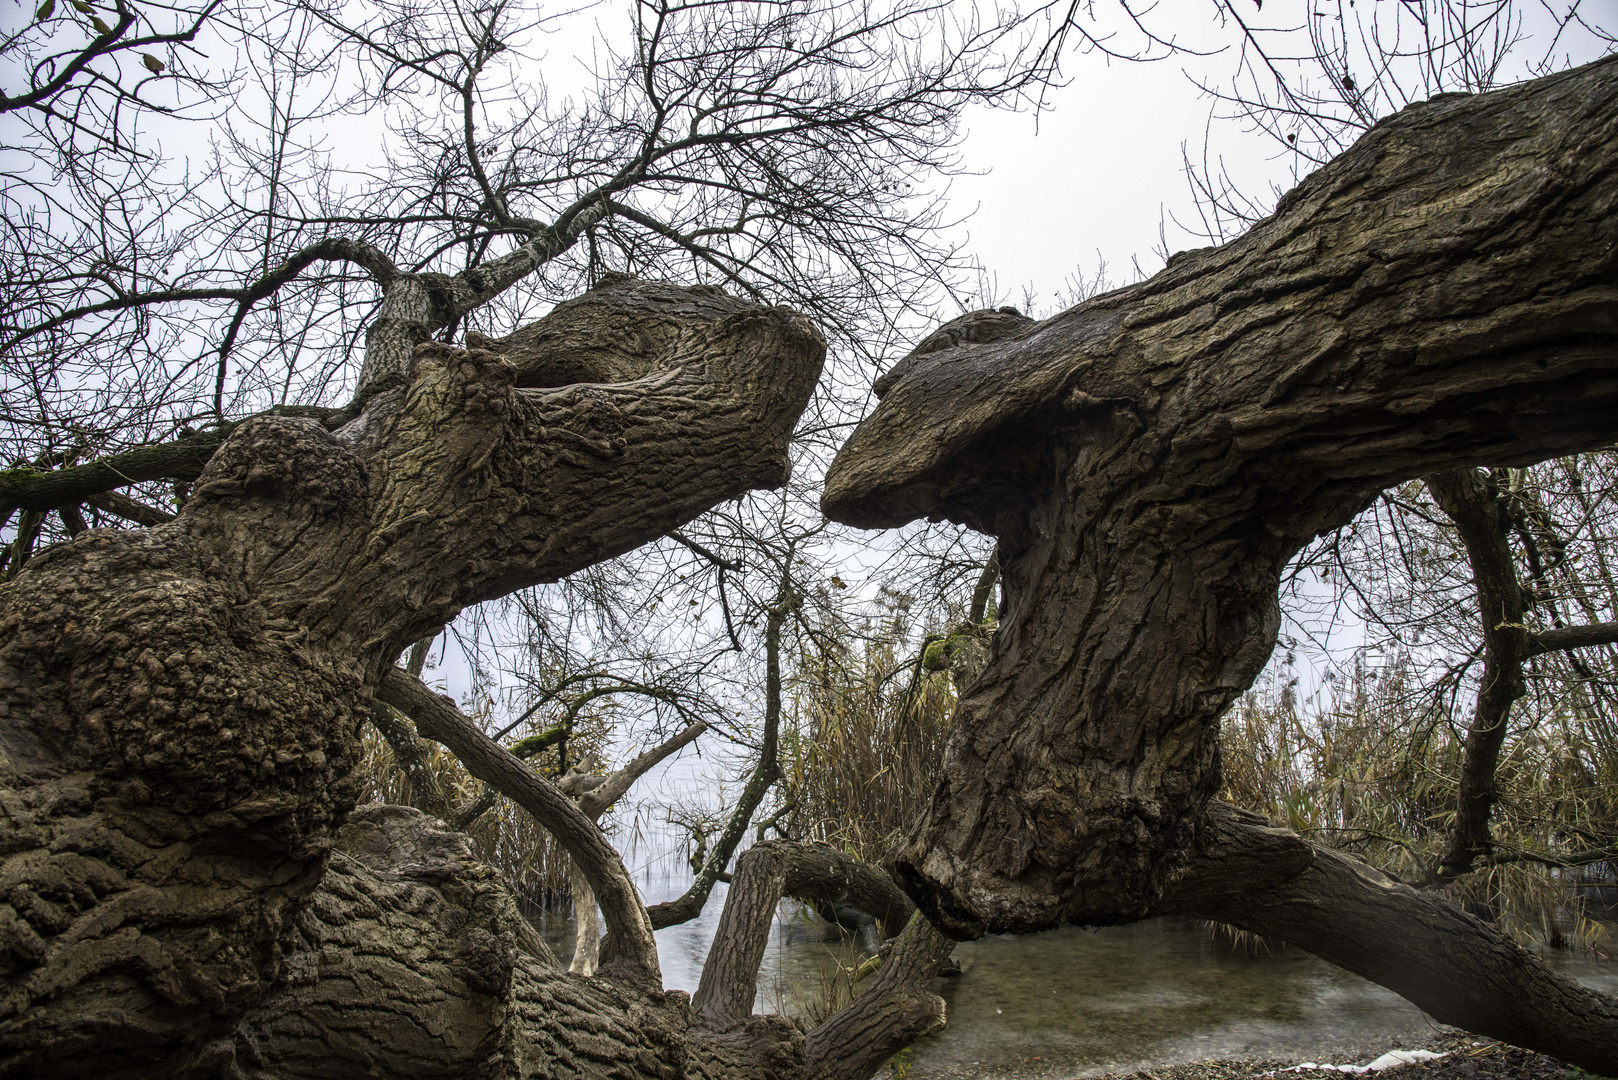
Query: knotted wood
point(180, 706)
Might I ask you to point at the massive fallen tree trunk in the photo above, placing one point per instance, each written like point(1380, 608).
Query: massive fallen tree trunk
point(181, 704)
point(1444, 294)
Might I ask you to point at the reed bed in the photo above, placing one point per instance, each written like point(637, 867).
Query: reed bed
point(867, 733)
point(1375, 772)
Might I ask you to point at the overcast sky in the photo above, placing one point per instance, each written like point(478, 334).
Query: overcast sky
point(1090, 178)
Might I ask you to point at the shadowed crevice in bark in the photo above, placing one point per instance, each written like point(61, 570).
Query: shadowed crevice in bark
point(1443, 294)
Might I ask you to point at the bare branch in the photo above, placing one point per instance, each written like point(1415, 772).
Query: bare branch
point(630, 940)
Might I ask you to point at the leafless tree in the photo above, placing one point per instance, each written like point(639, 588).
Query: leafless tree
point(271, 286)
point(192, 892)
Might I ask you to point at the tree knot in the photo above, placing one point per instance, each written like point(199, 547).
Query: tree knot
point(485, 377)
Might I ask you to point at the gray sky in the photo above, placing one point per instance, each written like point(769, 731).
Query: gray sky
point(1089, 179)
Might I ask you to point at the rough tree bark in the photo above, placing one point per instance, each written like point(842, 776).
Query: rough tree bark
point(180, 705)
point(892, 1009)
point(713, 1031)
point(1443, 294)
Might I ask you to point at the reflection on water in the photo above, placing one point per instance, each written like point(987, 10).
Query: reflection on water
point(1070, 1002)
point(1077, 1002)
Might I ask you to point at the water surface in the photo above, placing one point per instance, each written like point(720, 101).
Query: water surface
point(1072, 1002)
point(1084, 1002)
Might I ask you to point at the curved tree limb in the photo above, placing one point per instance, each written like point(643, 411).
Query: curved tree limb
point(1470, 500)
point(410, 754)
point(598, 800)
point(893, 1009)
point(437, 718)
point(369, 258)
point(595, 800)
point(1457, 968)
point(765, 873)
point(183, 458)
point(765, 773)
point(415, 305)
point(121, 505)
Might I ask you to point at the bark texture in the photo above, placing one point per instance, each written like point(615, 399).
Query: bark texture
point(714, 1030)
point(1445, 293)
point(412, 961)
point(438, 718)
point(180, 705)
point(893, 1008)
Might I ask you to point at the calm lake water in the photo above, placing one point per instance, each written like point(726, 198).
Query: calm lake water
point(1077, 1002)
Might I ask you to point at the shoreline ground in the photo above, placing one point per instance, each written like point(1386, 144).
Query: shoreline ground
point(1467, 1057)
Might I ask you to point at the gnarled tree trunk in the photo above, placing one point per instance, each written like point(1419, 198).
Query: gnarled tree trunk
point(1445, 293)
point(180, 705)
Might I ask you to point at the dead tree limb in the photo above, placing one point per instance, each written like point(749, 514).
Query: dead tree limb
point(437, 718)
point(1457, 968)
point(766, 771)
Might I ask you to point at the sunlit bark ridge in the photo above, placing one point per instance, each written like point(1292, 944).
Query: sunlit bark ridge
point(1443, 294)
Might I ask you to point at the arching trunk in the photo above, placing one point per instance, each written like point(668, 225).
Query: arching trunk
point(180, 706)
point(1442, 294)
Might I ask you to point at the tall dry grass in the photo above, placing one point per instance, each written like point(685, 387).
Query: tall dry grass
point(1375, 772)
point(866, 734)
point(1372, 771)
